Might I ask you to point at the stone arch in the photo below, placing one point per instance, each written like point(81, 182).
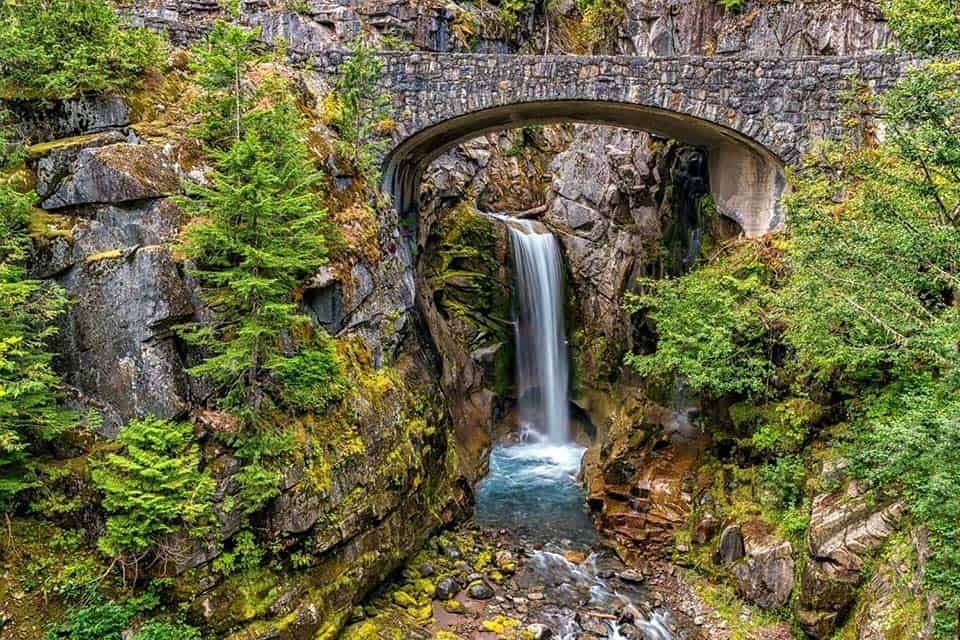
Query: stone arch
point(746, 177)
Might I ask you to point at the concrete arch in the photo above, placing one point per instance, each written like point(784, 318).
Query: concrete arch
point(746, 178)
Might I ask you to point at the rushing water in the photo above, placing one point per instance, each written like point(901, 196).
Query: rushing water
point(541, 342)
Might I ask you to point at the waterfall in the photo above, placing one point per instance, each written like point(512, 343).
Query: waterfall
point(542, 366)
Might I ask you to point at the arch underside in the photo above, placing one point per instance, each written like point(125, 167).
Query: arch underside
point(746, 178)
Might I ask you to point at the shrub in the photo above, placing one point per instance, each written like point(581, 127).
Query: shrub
point(159, 630)
point(784, 480)
point(152, 487)
point(711, 327)
point(54, 49)
point(30, 408)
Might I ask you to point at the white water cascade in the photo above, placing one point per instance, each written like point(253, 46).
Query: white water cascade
point(541, 341)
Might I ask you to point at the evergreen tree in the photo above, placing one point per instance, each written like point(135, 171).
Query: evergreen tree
point(259, 232)
point(222, 64)
point(361, 113)
point(30, 409)
point(152, 487)
point(54, 49)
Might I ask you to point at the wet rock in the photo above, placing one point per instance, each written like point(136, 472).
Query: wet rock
point(505, 561)
point(451, 551)
point(731, 545)
point(539, 631)
point(446, 589)
point(631, 575)
point(426, 570)
point(480, 591)
point(765, 575)
point(112, 174)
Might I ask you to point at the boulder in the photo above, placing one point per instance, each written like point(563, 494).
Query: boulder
point(446, 589)
point(731, 545)
point(765, 575)
point(110, 174)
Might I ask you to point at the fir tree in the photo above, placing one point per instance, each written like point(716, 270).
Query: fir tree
point(152, 487)
point(30, 409)
point(222, 63)
point(259, 232)
point(54, 49)
point(361, 112)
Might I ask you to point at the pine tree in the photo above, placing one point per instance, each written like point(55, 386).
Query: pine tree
point(152, 487)
point(259, 232)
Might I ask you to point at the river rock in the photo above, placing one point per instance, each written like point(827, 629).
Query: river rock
point(539, 631)
point(446, 589)
point(765, 575)
point(505, 561)
point(480, 591)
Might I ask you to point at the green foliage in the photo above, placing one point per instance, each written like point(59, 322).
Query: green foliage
point(361, 114)
point(776, 428)
point(731, 5)
point(258, 232)
point(311, 378)
point(29, 389)
point(711, 326)
point(160, 630)
point(152, 487)
point(108, 621)
point(221, 66)
point(54, 49)
point(908, 445)
point(601, 21)
point(784, 480)
point(512, 12)
point(96, 622)
point(244, 555)
point(927, 27)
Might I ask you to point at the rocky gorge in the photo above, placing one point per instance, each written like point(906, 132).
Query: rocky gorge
point(374, 526)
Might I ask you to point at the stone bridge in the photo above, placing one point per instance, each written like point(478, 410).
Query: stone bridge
point(752, 116)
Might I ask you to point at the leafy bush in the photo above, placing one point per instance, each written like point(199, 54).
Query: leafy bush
point(159, 630)
point(601, 20)
point(908, 446)
point(711, 327)
point(927, 27)
point(784, 480)
point(96, 622)
point(52, 49)
point(152, 487)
